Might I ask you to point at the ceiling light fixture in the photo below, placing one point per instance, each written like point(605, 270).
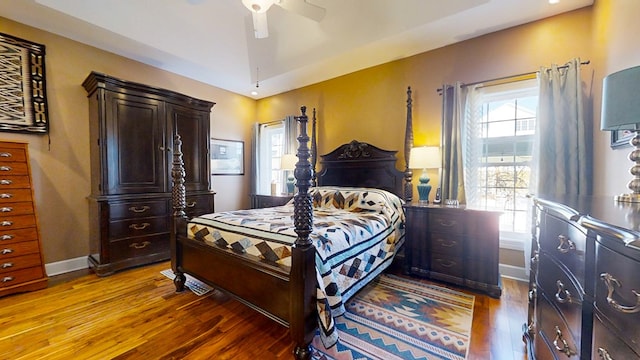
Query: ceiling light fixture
point(553, 1)
point(255, 92)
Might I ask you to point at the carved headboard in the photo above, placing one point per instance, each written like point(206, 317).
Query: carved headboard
point(360, 164)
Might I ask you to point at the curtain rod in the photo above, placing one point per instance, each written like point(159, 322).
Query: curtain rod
point(514, 76)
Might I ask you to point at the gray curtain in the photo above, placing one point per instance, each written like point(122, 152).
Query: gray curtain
point(562, 151)
point(451, 142)
point(291, 135)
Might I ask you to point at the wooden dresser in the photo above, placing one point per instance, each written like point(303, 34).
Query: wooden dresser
point(264, 201)
point(21, 260)
point(584, 300)
point(453, 244)
point(132, 127)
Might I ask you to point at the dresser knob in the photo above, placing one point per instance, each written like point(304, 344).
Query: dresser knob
point(611, 284)
point(604, 354)
point(6, 209)
point(5, 182)
point(5, 154)
point(565, 245)
point(191, 204)
point(139, 226)
point(5, 196)
point(7, 265)
point(6, 223)
point(6, 251)
point(140, 209)
point(561, 344)
point(5, 168)
point(142, 245)
point(6, 237)
point(7, 279)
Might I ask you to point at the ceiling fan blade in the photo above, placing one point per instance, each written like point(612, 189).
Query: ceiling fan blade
point(302, 7)
point(260, 28)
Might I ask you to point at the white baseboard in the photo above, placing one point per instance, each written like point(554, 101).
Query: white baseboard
point(513, 272)
point(65, 266)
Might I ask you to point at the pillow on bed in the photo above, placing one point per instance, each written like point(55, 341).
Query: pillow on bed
point(355, 199)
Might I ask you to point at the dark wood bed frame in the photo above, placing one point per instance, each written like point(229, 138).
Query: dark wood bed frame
point(291, 295)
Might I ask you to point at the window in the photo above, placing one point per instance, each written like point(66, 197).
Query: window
point(271, 148)
point(501, 131)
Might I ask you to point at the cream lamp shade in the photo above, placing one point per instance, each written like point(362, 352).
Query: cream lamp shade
point(424, 157)
point(621, 111)
point(288, 163)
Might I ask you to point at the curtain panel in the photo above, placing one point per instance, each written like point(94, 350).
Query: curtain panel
point(451, 143)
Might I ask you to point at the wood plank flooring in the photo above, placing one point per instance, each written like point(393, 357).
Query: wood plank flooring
point(136, 314)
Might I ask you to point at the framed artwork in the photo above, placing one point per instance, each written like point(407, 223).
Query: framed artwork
point(227, 157)
point(620, 138)
point(23, 99)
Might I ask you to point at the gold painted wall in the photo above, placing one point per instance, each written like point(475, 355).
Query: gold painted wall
point(61, 173)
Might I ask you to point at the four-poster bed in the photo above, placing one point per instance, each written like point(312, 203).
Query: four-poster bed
point(286, 267)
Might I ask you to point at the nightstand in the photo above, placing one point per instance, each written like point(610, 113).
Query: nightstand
point(264, 201)
point(453, 244)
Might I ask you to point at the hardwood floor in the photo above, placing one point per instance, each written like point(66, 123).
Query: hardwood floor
point(136, 314)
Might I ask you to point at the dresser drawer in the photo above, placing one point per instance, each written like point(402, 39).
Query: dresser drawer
point(617, 279)
point(565, 242)
point(447, 244)
point(449, 265)
point(139, 247)
point(138, 209)
point(17, 235)
point(606, 341)
point(14, 182)
point(17, 168)
point(18, 249)
point(199, 205)
point(138, 227)
point(19, 262)
point(449, 222)
point(9, 154)
point(555, 332)
point(21, 276)
point(14, 195)
point(18, 208)
point(16, 222)
point(562, 290)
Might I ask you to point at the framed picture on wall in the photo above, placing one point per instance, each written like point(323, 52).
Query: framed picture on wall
point(227, 157)
point(620, 138)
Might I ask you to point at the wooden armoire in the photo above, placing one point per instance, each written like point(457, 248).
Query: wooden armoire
point(131, 132)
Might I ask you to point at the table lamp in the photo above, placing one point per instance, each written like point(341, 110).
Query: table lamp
point(288, 164)
point(621, 111)
point(424, 157)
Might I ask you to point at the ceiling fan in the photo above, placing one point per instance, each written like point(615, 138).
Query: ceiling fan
point(259, 9)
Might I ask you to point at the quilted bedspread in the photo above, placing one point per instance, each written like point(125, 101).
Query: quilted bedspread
point(356, 233)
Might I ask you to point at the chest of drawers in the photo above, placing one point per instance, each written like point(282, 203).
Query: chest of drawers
point(453, 244)
point(265, 201)
point(21, 260)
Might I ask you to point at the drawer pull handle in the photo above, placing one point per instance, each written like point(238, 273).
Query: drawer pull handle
point(5, 154)
point(5, 168)
point(6, 237)
point(567, 295)
point(565, 245)
point(5, 196)
point(611, 283)
point(7, 265)
point(191, 204)
point(604, 354)
point(565, 349)
point(6, 223)
point(6, 251)
point(533, 294)
point(142, 245)
point(141, 209)
point(139, 226)
point(447, 243)
point(6, 209)
point(7, 279)
point(446, 263)
point(449, 223)
point(6, 182)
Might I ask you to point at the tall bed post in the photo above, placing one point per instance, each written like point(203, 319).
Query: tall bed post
point(179, 202)
point(314, 150)
point(303, 277)
point(408, 144)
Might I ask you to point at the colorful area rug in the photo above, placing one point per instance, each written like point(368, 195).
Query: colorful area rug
point(397, 318)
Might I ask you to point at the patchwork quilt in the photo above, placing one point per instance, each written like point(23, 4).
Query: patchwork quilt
point(356, 233)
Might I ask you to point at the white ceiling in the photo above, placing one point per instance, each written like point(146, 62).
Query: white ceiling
point(212, 40)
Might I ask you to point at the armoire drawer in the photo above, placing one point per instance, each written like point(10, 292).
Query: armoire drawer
point(199, 205)
point(138, 209)
point(138, 227)
point(139, 247)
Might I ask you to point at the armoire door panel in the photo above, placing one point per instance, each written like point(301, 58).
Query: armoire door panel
point(193, 128)
point(135, 145)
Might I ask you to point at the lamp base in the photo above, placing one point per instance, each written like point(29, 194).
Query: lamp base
point(290, 185)
point(424, 188)
point(629, 198)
